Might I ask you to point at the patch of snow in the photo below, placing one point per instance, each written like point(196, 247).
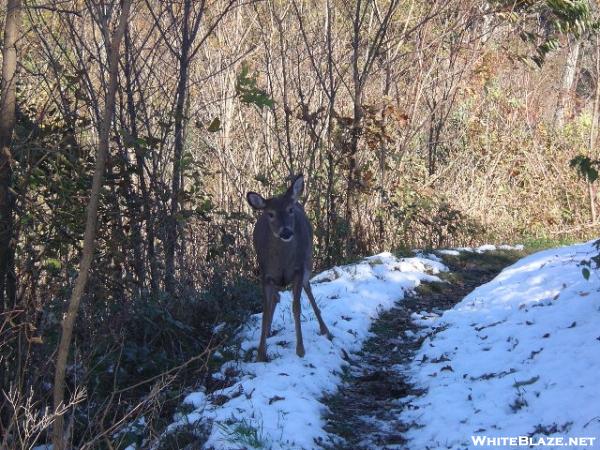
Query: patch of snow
point(449, 252)
point(481, 249)
point(511, 247)
point(196, 399)
point(278, 403)
point(519, 356)
point(424, 318)
point(427, 255)
point(486, 248)
point(218, 328)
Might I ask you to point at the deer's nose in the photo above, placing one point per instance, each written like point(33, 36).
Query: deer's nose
point(286, 234)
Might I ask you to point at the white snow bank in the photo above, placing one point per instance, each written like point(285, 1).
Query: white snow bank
point(480, 249)
point(519, 356)
point(276, 404)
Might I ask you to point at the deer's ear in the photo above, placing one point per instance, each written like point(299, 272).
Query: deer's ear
point(297, 187)
point(256, 200)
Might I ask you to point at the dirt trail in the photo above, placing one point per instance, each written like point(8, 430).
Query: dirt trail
point(364, 412)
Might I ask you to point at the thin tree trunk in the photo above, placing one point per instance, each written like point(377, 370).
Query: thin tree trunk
point(592, 197)
point(330, 126)
point(567, 81)
point(134, 203)
point(90, 228)
point(184, 62)
point(8, 104)
point(356, 127)
point(594, 132)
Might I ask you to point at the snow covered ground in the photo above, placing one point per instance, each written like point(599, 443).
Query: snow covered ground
point(276, 404)
point(519, 356)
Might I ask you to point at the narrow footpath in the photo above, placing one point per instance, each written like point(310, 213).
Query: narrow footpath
point(364, 413)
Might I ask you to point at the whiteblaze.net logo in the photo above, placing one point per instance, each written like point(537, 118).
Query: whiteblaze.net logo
point(527, 441)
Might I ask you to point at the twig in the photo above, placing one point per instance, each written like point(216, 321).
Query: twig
point(591, 420)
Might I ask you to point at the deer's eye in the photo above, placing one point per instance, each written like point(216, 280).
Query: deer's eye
point(271, 214)
point(290, 210)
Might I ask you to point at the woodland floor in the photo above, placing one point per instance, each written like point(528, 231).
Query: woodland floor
point(364, 412)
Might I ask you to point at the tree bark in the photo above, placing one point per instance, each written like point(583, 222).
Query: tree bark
point(58, 440)
point(8, 104)
point(567, 81)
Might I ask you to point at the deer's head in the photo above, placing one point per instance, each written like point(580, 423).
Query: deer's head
point(280, 210)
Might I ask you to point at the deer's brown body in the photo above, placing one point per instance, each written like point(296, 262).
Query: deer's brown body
point(283, 244)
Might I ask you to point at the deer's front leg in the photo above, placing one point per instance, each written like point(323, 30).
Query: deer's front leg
point(274, 301)
point(296, 307)
point(269, 292)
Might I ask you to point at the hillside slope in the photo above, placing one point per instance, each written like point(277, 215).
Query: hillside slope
point(519, 356)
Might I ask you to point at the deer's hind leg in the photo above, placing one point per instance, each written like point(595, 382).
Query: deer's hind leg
point(323, 328)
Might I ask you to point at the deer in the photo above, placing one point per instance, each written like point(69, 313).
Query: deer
point(282, 239)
